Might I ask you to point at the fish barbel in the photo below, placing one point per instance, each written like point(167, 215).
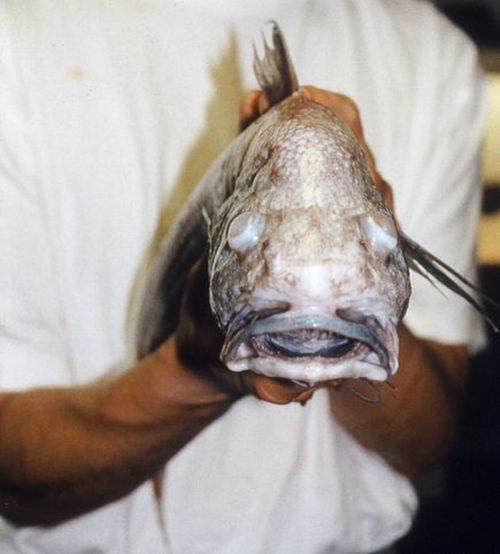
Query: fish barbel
point(308, 269)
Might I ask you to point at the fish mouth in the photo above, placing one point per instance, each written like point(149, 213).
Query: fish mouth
point(311, 347)
point(304, 343)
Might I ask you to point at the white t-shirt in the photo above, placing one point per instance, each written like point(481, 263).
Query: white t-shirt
point(109, 110)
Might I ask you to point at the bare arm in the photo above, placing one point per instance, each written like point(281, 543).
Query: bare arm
point(68, 451)
point(412, 424)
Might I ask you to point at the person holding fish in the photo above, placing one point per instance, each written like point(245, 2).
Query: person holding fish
point(292, 270)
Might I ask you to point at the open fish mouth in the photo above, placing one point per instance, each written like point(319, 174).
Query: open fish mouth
point(312, 347)
point(304, 343)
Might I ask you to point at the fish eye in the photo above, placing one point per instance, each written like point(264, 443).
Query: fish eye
point(245, 231)
point(380, 233)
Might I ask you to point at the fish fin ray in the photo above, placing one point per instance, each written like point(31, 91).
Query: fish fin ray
point(431, 267)
point(417, 269)
point(206, 217)
point(275, 72)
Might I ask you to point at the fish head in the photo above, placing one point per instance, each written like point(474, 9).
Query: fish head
point(307, 278)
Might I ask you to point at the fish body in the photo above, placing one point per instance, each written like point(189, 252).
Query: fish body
point(307, 267)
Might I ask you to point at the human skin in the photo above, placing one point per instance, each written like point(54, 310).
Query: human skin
point(67, 451)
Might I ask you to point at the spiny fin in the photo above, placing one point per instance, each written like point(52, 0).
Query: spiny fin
point(428, 265)
point(275, 72)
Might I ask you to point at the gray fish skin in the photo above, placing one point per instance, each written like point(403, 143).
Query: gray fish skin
point(307, 278)
point(307, 267)
point(320, 242)
point(300, 173)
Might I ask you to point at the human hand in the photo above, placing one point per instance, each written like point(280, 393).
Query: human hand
point(255, 103)
point(199, 342)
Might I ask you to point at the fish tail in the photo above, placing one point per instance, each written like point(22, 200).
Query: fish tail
point(430, 266)
point(275, 72)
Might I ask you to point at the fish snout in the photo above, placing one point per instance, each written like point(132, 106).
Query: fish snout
point(311, 347)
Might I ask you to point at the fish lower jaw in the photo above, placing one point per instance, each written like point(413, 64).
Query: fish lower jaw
point(314, 347)
point(309, 371)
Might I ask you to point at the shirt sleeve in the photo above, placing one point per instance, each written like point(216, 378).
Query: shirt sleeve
point(30, 328)
point(438, 205)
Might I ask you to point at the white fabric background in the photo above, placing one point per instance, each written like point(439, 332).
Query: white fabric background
point(110, 109)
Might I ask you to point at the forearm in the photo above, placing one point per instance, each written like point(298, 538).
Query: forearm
point(412, 424)
point(68, 451)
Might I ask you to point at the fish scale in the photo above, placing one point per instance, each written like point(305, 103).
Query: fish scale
point(307, 267)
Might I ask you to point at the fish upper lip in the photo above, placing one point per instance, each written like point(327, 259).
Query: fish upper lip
point(349, 323)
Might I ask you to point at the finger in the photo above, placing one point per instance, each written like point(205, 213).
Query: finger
point(277, 391)
point(252, 105)
point(387, 194)
point(264, 104)
point(249, 108)
point(340, 104)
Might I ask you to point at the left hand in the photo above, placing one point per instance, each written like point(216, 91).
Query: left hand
point(255, 103)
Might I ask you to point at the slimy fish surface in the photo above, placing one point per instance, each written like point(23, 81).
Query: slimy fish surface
point(308, 270)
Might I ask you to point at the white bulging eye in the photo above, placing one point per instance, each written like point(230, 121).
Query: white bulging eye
point(380, 233)
point(245, 231)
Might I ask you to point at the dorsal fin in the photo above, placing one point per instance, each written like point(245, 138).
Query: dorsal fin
point(275, 72)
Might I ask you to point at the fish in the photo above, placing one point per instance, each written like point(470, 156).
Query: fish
point(308, 269)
